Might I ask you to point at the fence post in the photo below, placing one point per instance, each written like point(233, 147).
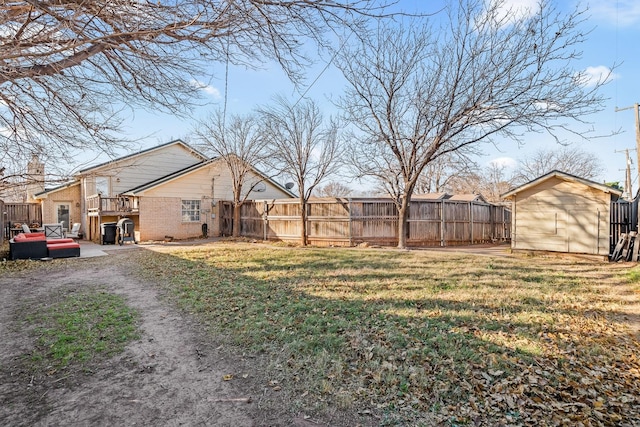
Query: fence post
point(442, 223)
point(265, 219)
point(350, 224)
point(471, 221)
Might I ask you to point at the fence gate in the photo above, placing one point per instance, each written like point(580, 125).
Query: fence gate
point(226, 218)
point(624, 218)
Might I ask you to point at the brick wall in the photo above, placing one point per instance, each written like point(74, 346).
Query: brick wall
point(162, 216)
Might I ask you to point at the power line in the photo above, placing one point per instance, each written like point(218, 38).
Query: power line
point(335, 55)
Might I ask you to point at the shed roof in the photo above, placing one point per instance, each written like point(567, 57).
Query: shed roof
point(563, 176)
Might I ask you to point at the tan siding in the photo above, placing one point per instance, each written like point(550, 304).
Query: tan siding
point(199, 183)
point(161, 206)
point(138, 170)
point(562, 216)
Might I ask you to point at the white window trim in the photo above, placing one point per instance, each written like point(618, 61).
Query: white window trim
point(193, 212)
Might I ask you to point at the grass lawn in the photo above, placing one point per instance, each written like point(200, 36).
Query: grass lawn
point(75, 329)
point(417, 337)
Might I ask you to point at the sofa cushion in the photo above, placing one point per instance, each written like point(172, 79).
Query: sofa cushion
point(64, 249)
point(29, 237)
point(63, 245)
point(59, 241)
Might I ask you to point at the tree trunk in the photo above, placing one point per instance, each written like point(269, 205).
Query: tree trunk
point(403, 216)
point(237, 209)
point(303, 222)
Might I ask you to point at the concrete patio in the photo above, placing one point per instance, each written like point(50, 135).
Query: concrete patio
point(89, 249)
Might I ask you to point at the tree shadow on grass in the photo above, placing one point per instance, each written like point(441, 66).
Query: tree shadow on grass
point(333, 322)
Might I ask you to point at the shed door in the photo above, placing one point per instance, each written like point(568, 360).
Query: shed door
point(583, 233)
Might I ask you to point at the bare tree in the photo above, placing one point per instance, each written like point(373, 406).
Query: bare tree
point(567, 159)
point(495, 181)
point(237, 142)
point(333, 189)
point(418, 93)
point(70, 71)
point(301, 146)
point(446, 173)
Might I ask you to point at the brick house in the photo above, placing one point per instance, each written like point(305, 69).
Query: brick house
point(167, 190)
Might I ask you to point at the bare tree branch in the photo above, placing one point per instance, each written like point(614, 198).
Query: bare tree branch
point(419, 92)
point(71, 71)
point(238, 143)
point(302, 146)
point(566, 159)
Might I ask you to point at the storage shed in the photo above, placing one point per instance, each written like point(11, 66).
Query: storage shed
point(561, 212)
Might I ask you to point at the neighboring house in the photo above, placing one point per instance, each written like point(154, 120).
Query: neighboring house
point(168, 190)
point(451, 197)
point(470, 197)
point(561, 212)
point(431, 196)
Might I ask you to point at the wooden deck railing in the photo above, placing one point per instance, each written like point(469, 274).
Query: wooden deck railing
point(98, 204)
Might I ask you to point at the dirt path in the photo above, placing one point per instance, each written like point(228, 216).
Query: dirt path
point(172, 376)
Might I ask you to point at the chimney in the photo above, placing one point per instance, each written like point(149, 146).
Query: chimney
point(35, 177)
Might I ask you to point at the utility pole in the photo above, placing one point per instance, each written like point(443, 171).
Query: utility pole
point(628, 191)
point(637, 119)
point(636, 111)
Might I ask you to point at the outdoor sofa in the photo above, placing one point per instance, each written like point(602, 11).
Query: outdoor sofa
point(37, 246)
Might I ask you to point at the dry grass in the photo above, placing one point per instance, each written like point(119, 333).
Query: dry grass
point(419, 338)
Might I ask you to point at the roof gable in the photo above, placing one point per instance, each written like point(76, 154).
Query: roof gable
point(44, 194)
point(192, 169)
point(198, 157)
point(562, 176)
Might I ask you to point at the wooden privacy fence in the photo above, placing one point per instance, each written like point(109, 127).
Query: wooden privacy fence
point(624, 219)
point(3, 219)
point(348, 222)
point(24, 213)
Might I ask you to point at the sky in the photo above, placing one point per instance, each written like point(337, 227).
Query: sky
point(612, 46)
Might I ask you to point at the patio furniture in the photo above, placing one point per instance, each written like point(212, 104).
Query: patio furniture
point(63, 248)
point(28, 246)
point(37, 246)
point(53, 231)
point(75, 232)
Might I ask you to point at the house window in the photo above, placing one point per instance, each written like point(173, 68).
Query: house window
point(190, 210)
point(102, 185)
